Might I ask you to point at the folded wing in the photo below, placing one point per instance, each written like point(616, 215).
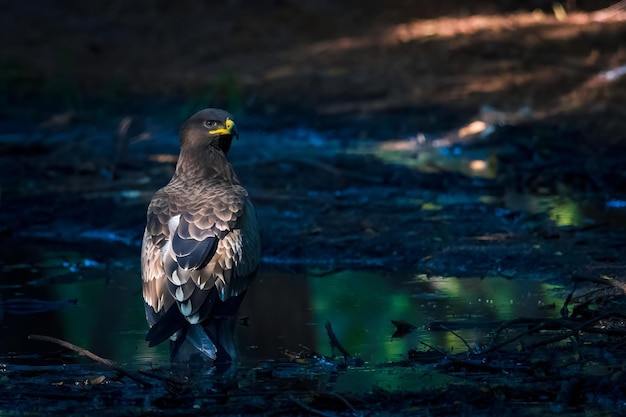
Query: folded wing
point(198, 252)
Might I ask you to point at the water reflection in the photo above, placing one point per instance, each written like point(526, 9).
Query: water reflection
point(361, 305)
point(286, 310)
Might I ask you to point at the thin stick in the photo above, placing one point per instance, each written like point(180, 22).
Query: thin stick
point(538, 327)
point(611, 282)
point(70, 346)
point(469, 348)
point(508, 324)
point(575, 330)
point(90, 355)
point(334, 342)
point(561, 323)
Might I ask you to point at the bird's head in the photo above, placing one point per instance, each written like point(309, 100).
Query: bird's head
point(212, 127)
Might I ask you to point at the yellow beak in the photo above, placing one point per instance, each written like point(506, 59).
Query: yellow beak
point(229, 129)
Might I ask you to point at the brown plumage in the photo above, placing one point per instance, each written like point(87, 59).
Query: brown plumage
point(201, 245)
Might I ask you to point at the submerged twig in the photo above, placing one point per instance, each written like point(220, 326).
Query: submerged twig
point(469, 348)
point(441, 352)
point(334, 342)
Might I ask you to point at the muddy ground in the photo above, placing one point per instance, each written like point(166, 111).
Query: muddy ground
point(413, 138)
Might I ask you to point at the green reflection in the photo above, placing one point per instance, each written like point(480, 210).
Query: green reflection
point(77, 324)
point(108, 319)
point(361, 305)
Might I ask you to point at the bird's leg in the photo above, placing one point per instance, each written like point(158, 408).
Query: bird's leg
point(222, 331)
point(185, 350)
point(226, 338)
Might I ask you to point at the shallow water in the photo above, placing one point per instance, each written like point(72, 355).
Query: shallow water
point(361, 305)
point(100, 309)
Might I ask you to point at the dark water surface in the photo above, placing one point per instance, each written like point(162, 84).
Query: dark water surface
point(98, 306)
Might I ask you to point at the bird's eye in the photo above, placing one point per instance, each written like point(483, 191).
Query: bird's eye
point(209, 123)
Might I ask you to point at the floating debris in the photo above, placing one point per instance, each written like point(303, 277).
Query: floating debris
point(402, 328)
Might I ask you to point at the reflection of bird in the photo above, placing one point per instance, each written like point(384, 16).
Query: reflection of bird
point(200, 247)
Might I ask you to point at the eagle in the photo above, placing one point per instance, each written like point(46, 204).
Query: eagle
point(201, 246)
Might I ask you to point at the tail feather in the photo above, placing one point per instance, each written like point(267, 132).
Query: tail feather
point(201, 341)
point(171, 322)
point(210, 339)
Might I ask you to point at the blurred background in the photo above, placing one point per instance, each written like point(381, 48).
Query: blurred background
point(320, 58)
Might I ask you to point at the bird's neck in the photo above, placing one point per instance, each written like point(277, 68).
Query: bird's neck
point(204, 164)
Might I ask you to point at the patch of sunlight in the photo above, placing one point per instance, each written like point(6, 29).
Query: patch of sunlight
point(489, 199)
point(447, 27)
point(450, 286)
point(559, 11)
point(474, 128)
point(450, 26)
point(431, 207)
point(566, 212)
point(438, 156)
point(563, 211)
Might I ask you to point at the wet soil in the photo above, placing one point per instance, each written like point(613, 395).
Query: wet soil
point(416, 143)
